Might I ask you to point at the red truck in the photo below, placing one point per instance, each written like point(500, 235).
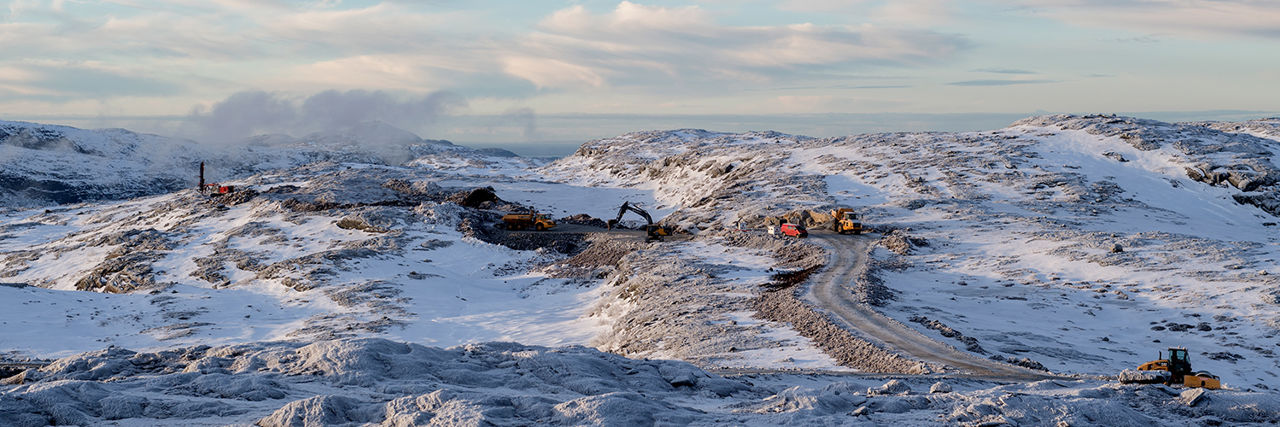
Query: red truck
point(794, 230)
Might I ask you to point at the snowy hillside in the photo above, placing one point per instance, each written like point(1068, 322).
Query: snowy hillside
point(358, 277)
point(1084, 243)
point(56, 164)
point(48, 164)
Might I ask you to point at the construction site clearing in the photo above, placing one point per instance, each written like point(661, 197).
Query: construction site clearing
point(572, 234)
point(792, 225)
point(526, 228)
point(564, 227)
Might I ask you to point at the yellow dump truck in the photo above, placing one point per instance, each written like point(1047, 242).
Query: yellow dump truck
point(844, 221)
point(526, 220)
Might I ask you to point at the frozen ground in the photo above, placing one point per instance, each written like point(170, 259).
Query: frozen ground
point(268, 269)
point(1083, 244)
point(1021, 224)
point(358, 381)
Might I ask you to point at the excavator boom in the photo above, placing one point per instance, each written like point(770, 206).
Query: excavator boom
point(627, 206)
point(652, 231)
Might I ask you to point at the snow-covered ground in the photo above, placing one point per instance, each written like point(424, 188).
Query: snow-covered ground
point(358, 381)
point(1029, 271)
point(1085, 244)
point(433, 286)
point(1021, 224)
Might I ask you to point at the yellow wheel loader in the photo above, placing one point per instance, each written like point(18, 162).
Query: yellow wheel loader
point(1179, 367)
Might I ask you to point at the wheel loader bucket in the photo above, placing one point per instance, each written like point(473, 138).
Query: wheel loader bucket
point(1199, 381)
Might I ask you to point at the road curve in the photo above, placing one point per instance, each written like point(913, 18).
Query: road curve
point(828, 290)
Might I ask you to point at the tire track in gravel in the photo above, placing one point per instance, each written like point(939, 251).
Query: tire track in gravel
point(828, 290)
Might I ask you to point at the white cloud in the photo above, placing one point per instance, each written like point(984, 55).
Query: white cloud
point(1187, 18)
point(199, 51)
point(551, 72)
point(917, 13)
point(824, 5)
point(637, 44)
point(253, 112)
point(387, 71)
point(898, 13)
point(627, 16)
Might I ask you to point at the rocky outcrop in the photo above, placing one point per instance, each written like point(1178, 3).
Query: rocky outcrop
point(1218, 154)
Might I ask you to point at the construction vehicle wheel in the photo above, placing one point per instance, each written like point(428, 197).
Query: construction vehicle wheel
point(1205, 374)
point(539, 227)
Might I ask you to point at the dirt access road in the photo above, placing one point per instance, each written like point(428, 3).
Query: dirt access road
point(848, 258)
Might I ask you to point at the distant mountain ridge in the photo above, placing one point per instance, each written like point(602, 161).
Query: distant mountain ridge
point(44, 164)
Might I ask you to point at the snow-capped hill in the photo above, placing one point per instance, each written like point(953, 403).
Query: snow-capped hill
point(655, 145)
point(369, 134)
point(1086, 206)
point(1263, 128)
point(366, 142)
point(1205, 153)
point(103, 143)
point(48, 164)
point(376, 142)
point(44, 164)
point(690, 169)
point(1080, 245)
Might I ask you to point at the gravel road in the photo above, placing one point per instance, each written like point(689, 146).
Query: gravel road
point(829, 289)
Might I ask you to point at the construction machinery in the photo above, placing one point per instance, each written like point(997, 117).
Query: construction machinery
point(652, 231)
point(1178, 365)
point(793, 230)
point(531, 219)
point(845, 221)
point(213, 188)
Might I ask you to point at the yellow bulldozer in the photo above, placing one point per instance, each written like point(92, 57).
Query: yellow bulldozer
point(1178, 365)
point(531, 219)
point(845, 221)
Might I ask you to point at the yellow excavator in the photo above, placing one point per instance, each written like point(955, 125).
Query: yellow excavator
point(652, 232)
point(1179, 367)
point(844, 221)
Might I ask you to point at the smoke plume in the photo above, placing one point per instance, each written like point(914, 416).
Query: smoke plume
point(251, 113)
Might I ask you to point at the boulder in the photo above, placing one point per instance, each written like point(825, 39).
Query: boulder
point(1243, 181)
point(891, 387)
point(1115, 156)
point(1193, 397)
point(1132, 376)
point(474, 198)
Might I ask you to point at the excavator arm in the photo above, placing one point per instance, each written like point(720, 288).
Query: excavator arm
point(652, 232)
point(627, 206)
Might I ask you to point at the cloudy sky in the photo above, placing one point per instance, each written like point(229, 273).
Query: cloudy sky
point(517, 71)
